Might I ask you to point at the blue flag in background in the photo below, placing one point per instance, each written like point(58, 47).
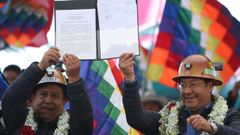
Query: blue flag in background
point(3, 85)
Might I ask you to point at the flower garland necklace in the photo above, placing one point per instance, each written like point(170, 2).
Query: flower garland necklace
point(169, 115)
point(62, 125)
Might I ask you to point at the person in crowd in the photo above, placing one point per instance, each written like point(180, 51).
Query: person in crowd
point(11, 72)
point(151, 101)
point(198, 112)
point(48, 92)
point(233, 98)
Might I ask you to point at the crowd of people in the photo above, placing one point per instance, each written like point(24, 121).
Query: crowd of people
point(35, 98)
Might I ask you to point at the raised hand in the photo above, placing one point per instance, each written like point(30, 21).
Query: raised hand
point(72, 64)
point(52, 56)
point(126, 64)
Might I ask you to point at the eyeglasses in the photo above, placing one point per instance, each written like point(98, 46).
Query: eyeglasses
point(191, 85)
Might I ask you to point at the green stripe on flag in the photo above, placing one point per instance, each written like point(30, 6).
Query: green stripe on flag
point(105, 88)
point(175, 1)
point(117, 130)
point(195, 36)
point(100, 67)
point(112, 111)
point(202, 50)
point(185, 16)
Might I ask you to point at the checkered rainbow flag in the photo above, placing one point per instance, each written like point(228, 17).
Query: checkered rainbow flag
point(25, 22)
point(194, 27)
point(103, 82)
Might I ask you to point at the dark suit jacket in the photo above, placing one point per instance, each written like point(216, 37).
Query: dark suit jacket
point(15, 110)
point(147, 122)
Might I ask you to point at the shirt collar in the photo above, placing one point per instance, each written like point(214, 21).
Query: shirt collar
point(203, 111)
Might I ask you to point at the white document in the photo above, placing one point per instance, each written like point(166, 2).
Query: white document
point(76, 32)
point(118, 27)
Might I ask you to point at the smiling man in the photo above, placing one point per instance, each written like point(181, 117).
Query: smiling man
point(198, 112)
point(47, 91)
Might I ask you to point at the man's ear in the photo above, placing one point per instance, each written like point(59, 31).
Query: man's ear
point(30, 101)
point(65, 100)
point(210, 86)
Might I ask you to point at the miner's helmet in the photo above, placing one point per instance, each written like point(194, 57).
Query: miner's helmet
point(197, 66)
point(53, 76)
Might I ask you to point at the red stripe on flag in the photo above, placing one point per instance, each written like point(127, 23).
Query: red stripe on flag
point(1, 4)
point(116, 73)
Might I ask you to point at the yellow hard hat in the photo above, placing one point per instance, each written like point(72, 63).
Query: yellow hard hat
point(197, 66)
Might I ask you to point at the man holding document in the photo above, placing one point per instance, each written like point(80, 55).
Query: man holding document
point(199, 112)
point(48, 91)
point(97, 29)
